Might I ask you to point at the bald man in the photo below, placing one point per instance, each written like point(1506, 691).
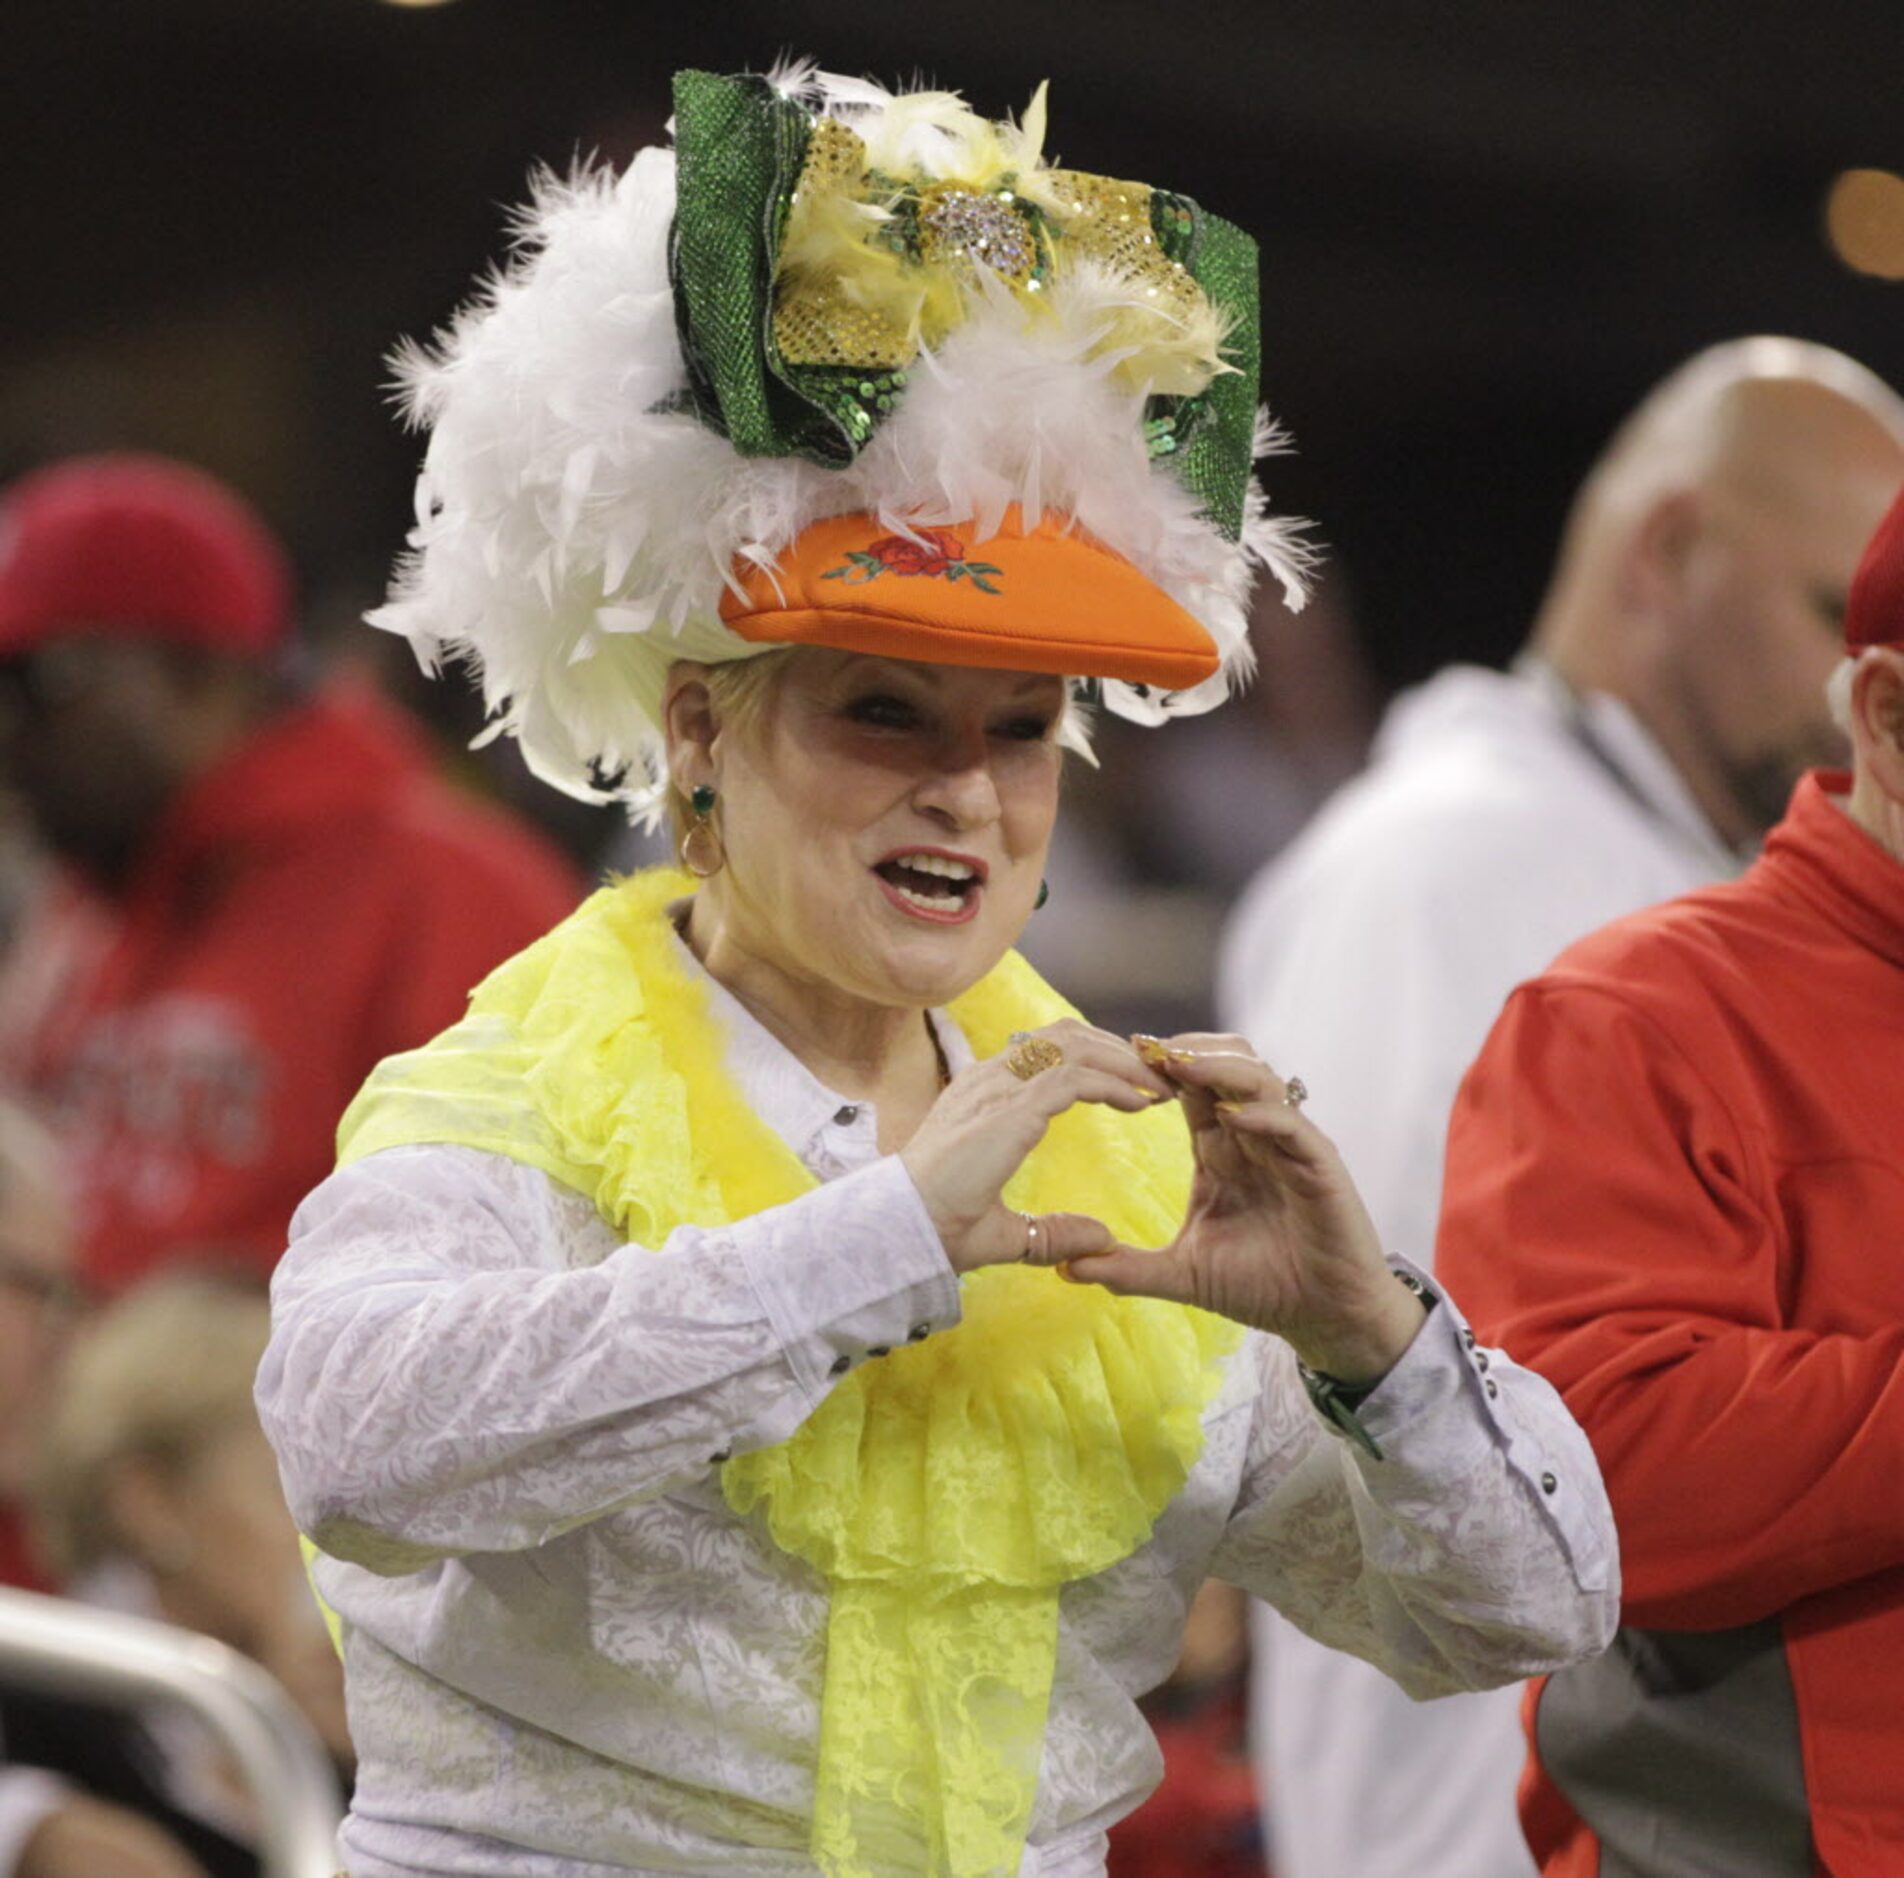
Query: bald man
point(1671, 695)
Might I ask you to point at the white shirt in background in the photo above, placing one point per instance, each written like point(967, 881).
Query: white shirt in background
point(1499, 821)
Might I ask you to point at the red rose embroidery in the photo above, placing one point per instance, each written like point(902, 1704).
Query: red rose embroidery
point(936, 554)
point(932, 553)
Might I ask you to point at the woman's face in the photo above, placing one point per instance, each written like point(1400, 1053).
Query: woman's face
point(886, 823)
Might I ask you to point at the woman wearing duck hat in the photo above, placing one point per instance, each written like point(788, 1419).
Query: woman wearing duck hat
point(764, 1387)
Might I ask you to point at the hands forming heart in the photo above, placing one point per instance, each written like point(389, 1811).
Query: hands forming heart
point(1275, 1235)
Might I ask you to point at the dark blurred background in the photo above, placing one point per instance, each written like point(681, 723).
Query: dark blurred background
point(1486, 225)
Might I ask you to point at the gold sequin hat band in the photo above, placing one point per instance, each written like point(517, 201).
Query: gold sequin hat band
point(872, 269)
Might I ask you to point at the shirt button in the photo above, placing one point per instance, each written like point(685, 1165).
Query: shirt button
point(880, 1349)
point(846, 1116)
point(1548, 1484)
point(918, 1333)
point(841, 1364)
point(1491, 1387)
point(1480, 1359)
point(725, 1454)
point(1467, 1337)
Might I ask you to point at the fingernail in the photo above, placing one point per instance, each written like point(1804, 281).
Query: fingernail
point(1227, 1108)
point(1063, 1269)
point(1181, 1056)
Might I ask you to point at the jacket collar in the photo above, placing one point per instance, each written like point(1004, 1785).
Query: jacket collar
point(1821, 855)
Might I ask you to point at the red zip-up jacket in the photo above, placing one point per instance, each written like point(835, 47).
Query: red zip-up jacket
point(1675, 1186)
point(315, 901)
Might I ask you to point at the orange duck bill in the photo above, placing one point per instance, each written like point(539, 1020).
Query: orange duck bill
point(1051, 600)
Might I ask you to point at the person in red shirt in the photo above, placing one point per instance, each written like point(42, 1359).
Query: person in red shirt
point(1675, 1187)
point(295, 893)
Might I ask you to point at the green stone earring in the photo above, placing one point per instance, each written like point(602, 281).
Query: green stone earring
point(701, 851)
point(1044, 894)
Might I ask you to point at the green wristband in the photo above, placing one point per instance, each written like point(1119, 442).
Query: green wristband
point(1337, 1401)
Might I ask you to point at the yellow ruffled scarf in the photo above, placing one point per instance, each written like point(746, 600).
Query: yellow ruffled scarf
point(945, 1491)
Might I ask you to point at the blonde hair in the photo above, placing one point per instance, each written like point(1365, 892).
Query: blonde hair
point(739, 688)
point(157, 1376)
point(738, 691)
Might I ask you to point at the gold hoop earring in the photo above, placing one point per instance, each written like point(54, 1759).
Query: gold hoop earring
point(701, 852)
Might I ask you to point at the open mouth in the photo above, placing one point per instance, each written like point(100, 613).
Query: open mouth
point(932, 886)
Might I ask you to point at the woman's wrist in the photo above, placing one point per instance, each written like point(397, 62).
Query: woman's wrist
point(1363, 1347)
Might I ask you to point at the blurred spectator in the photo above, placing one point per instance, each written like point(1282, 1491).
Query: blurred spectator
point(36, 1315)
point(37, 1311)
point(295, 893)
point(1207, 807)
point(48, 1831)
point(1158, 839)
point(1675, 1179)
point(1672, 695)
point(1203, 1821)
point(155, 1493)
point(54, 932)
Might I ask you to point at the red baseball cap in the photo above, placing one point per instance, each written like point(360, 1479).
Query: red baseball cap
point(1874, 609)
point(135, 546)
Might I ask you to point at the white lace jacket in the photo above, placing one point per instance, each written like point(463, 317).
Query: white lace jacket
point(567, 1658)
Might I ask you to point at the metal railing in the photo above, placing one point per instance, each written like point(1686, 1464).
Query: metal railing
point(61, 1649)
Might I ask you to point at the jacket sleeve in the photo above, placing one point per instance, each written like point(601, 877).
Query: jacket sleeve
point(1607, 1219)
point(454, 1368)
point(1477, 1550)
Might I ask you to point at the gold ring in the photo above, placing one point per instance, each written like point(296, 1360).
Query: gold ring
point(1031, 1056)
point(1033, 1229)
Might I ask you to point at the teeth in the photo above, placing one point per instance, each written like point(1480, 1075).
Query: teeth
point(938, 864)
point(930, 902)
